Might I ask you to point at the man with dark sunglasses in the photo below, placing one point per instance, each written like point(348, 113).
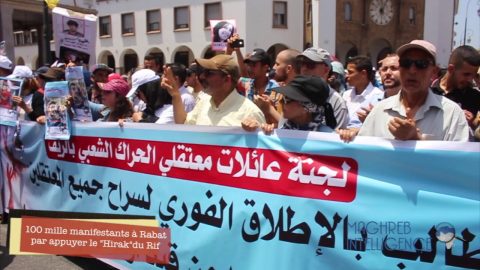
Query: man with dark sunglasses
point(416, 113)
point(457, 83)
point(225, 106)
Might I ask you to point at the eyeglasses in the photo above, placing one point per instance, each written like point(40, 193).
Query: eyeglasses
point(419, 63)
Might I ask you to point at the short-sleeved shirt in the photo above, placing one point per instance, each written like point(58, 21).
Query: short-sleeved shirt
point(467, 98)
point(371, 95)
point(231, 112)
point(438, 119)
point(340, 109)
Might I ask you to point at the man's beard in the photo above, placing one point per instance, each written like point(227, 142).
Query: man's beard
point(280, 78)
point(394, 85)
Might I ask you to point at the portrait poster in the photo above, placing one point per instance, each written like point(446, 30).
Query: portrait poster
point(78, 91)
point(8, 110)
point(56, 111)
point(75, 36)
point(221, 31)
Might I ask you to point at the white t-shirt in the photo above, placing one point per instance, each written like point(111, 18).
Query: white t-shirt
point(187, 99)
point(165, 115)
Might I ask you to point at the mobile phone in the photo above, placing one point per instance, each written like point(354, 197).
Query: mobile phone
point(239, 43)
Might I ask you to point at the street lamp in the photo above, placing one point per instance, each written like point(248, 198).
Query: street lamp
point(47, 36)
point(47, 30)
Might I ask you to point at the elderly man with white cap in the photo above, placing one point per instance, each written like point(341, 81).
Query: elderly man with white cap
point(416, 113)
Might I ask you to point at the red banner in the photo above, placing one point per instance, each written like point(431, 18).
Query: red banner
point(279, 172)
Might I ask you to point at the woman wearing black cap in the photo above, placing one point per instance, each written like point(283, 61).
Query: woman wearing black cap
point(305, 107)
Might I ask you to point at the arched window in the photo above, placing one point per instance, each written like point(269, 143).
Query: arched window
point(411, 15)
point(347, 8)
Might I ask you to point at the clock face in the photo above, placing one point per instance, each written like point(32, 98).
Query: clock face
point(381, 11)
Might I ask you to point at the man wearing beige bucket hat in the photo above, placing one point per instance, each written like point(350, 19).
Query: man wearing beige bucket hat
point(225, 106)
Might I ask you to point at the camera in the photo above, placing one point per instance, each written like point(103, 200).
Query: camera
point(239, 43)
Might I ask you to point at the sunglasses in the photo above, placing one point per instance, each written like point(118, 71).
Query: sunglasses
point(287, 100)
point(209, 72)
point(419, 63)
point(310, 64)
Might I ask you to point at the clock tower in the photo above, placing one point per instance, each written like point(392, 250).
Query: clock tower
point(372, 27)
point(381, 11)
point(376, 27)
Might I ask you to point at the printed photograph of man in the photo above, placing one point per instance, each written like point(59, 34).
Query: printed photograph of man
point(72, 29)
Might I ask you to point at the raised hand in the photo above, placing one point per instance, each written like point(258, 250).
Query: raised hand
point(169, 83)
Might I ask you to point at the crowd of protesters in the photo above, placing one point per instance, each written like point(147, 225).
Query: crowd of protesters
point(309, 90)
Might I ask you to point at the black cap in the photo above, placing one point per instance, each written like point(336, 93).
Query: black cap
point(41, 70)
point(72, 22)
point(307, 89)
point(98, 67)
point(194, 68)
point(258, 55)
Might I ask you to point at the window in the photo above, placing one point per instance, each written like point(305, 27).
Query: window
point(105, 26)
point(18, 38)
point(34, 35)
point(309, 13)
point(128, 24)
point(182, 57)
point(411, 15)
point(279, 14)
point(347, 9)
point(27, 37)
point(182, 18)
point(213, 11)
point(153, 20)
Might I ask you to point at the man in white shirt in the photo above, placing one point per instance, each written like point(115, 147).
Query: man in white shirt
point(360, 75)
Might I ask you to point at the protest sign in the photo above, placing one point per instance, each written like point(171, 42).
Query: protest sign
point(74, 35)
point(221, 31)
